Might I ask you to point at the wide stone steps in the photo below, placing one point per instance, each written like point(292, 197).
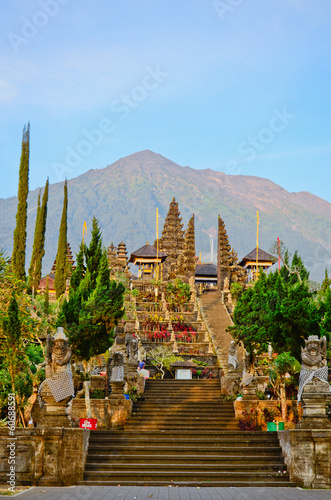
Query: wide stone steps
point(182, 433)
point(243, 453)
point(96, 460)
point(224, 478)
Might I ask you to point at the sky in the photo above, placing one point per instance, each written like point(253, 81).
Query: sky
point(239, 86)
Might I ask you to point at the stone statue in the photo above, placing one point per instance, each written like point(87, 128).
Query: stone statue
point(117, 374)
point(248, 373)
point(233, 362)
point(57, 389)
point(314, 363)
point(248, 381)
point(58, 354)
point(133, 349)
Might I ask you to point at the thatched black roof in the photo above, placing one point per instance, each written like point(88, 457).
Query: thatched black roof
point(147, 252)
point(209, 270)
point(263, 257)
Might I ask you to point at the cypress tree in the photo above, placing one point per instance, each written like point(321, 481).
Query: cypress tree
point(94, 252)
point(46, 301)
point(79, 271)
point(61, 271)
point(19, 246)
point(11, 327)
point(39, 241)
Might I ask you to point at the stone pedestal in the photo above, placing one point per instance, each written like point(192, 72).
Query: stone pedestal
point(55, 414)
point(118, 406)
point(230, 383)
point(249, 391)
point(315, 397)
point(117, 391)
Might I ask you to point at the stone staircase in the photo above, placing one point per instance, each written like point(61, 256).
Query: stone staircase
point(218, 320)
point(182, 433)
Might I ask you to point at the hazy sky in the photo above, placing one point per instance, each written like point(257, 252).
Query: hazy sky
point(241, 86)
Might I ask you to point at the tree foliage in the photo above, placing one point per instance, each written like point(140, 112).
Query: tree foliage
point(279, 309)
point(163, 358)
point(38, 249)
point(61, 270)
point(95, 302)
point(19, 246)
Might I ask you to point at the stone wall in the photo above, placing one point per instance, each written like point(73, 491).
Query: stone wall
point(307, 455)
point(107, 412)
point(294, 411)
point(49, 457)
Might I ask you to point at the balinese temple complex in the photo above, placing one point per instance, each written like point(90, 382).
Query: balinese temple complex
point(173, 255)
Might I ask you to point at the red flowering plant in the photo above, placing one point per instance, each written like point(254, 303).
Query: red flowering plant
point(161, 335)
point(183, 332)
point(200, 373)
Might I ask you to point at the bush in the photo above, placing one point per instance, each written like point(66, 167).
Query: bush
point(98, 394)
point(248, 421)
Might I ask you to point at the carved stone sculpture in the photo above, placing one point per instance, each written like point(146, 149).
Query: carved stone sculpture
point(314, 363)
point(233, 362)
point(57, 388)
point(117, 374)
point(248, 381)
point(133, 350)
point(314, 388)
point(58, 354)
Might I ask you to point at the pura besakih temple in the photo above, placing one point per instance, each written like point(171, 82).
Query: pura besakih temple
point(172, 242)
point(189, 249)
point(228, 269)
point(147, 258)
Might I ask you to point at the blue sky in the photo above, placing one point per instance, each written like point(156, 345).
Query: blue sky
point(240, 86)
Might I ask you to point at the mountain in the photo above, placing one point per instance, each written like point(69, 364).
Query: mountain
point(124, 197)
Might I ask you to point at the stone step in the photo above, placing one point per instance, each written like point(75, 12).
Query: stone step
point(205, 434)
point(182, 467)
point(148, 406)
point(178, 458)
point(173, 426)
point(210, 483)
point(187, 383)
point(177, 400)
point(183, 414)
point(182, 439)
point(187, 475)
point(168, 449)
point(182, 419)
point(186, 448)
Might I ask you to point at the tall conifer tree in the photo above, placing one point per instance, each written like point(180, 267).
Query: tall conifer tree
point(61, 270)
point(38, 250)
point(19, 247)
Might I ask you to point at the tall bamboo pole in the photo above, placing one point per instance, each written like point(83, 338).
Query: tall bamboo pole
point(257, 245)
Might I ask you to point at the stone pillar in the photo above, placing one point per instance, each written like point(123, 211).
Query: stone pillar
point(56, 414)
point(117, 390)
point(249, 391)
point(50, 445)
point(116, 403)
point(315, 397)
